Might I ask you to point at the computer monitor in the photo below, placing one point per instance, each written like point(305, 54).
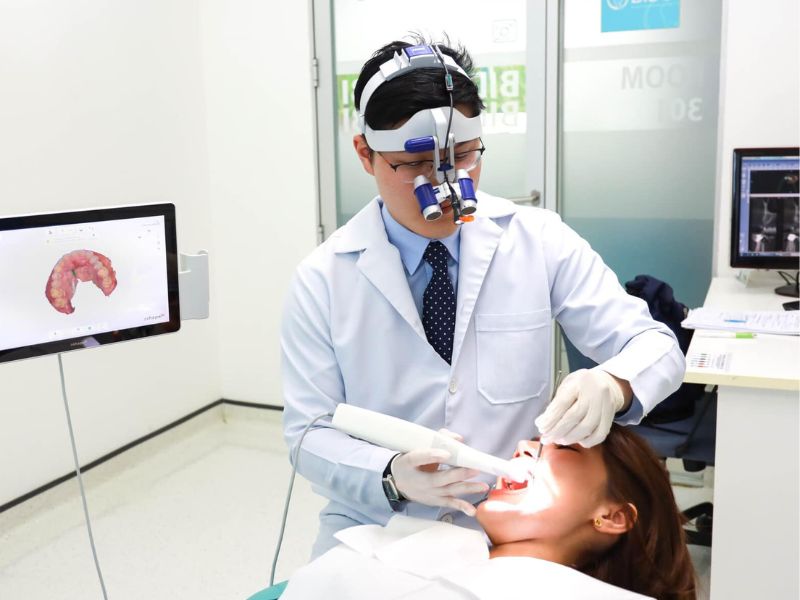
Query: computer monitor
point(766, 210)
point(81, 279)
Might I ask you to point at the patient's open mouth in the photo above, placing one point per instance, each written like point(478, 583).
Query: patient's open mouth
point(513, 485)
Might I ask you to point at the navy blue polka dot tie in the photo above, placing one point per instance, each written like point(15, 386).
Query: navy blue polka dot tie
point(439, 303)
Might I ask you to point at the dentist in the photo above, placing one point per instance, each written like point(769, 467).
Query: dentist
point(448, 324)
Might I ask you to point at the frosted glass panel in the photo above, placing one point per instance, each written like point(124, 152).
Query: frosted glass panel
point(495, 35)
point(638, 137)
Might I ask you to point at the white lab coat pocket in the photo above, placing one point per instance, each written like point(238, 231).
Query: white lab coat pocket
point(513, 353)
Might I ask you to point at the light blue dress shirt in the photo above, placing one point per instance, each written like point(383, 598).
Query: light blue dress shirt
point(412, 247)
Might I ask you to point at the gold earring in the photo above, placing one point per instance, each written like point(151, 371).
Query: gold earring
point(598, 522)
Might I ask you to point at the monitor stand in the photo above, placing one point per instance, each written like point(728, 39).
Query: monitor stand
point(790, 290)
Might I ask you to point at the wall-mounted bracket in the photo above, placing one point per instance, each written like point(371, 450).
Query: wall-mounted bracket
point(193, 285)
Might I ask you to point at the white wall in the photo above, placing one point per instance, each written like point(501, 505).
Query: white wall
point(258, 90)
point(759, 94)
point(207, 105)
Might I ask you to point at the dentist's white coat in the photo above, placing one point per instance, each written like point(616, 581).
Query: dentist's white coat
point(351, 333)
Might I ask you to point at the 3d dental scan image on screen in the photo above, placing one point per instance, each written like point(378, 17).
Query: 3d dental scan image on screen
point(77, 283)
point(78, 265)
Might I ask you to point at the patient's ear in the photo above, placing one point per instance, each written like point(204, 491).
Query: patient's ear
point(364, 152)
point(616, 519)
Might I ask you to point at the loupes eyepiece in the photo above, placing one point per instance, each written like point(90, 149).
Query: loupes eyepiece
point(426, 197)
point(469, 202)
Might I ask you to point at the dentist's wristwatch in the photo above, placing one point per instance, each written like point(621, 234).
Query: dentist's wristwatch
point(396, 500)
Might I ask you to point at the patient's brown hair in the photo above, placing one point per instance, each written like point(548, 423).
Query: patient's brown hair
point(651, 558)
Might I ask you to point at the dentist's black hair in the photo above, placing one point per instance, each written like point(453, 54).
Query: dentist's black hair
point(400, 98)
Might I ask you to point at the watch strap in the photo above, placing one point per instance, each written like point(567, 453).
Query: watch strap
point(395, 498)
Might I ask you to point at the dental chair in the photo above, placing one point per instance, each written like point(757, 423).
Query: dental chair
point(271, 593)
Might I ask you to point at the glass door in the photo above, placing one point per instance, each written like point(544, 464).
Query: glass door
point(508, 42)
point(638, 135)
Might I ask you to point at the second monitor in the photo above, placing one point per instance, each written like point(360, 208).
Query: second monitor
point(765, 231)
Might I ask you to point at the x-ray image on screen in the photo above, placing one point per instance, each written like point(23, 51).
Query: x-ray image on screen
point(773, 211)
point(766, 211)
point(80, 279)
point(763, 224)
point(791, 231)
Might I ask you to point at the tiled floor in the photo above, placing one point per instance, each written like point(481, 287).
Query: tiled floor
point(194, 513)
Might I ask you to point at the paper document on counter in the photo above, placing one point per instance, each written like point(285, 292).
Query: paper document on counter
point(720, 361)
point(755, 321)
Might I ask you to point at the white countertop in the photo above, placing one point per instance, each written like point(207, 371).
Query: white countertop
point(767, 361)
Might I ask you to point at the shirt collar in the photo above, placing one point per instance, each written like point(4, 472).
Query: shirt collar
point(412, 245)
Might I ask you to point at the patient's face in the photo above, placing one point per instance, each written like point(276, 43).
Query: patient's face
point(568, 487)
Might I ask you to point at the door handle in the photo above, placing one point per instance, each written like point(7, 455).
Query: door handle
point(533, 200)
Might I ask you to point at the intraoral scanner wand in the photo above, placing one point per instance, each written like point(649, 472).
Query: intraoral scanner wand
point(403, 436)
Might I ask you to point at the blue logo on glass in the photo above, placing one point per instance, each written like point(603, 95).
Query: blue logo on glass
point(637, 15)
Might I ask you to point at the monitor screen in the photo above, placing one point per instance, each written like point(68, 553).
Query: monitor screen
point(85, 278)
point(766, 208)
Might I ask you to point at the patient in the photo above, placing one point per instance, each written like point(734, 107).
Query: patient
point(595, 523)
point(607, 511)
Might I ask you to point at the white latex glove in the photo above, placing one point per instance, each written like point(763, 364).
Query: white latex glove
point(582, 410)
point(417, 476)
